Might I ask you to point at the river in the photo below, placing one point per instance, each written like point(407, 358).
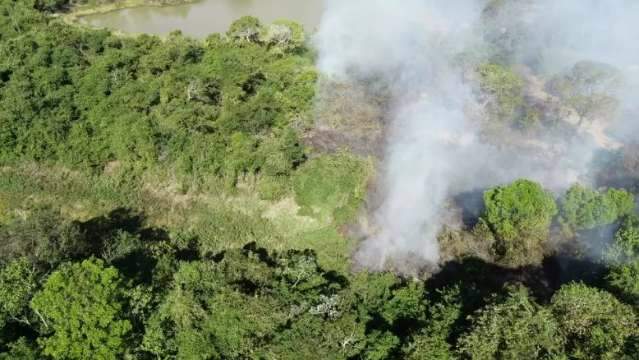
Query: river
point(206, 16)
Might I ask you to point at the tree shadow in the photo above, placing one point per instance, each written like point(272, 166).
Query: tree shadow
point(122, 232)
point(98, 231)
point(472, 206)
point(479, 282)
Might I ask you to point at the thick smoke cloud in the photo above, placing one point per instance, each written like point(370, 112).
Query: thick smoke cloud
point(434, 148)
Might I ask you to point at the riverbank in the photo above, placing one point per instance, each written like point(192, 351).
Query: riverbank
point(85, 10)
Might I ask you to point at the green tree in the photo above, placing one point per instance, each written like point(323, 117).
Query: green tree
point(519, 215)
point(583, 208)
point(22, 349)
point(17, 286)
point(284, 36)
point(431, 342)
point(506, 88)
point(623, 255)
point(595, 324)
point(82, 304)
point(216, 310)
point(515, 328)
point(246, 28)
point(625, 246)
point(624, 280)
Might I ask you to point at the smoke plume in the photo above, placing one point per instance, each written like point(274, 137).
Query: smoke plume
point(425, 53)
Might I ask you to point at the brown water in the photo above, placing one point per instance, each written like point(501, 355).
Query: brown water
point(206, 16)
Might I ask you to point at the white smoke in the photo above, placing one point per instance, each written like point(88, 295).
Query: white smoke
point(433, 146)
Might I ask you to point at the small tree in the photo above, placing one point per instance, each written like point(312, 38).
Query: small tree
point(519, 215)
point(246, 28)
point(81, 303)
point(284, 35)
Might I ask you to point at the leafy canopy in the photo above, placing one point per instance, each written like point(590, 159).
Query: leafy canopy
point(583, 208)
point(82, 305)
point(594, 322)
point(519, 216)
point(513, 328)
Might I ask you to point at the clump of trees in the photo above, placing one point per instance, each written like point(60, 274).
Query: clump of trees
point(229, 106)
point(187, 303)
point(518, 218)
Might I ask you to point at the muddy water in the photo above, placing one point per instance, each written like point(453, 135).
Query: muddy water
point(206, 16)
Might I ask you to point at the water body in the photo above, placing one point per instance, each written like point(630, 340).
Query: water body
point(206, 16)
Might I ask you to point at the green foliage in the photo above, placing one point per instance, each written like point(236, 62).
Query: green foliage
point(284, 36)
point(87, 99)
point(331, 186)
point(505, 86)
point(623, 255)
point(227, 309)
point(624, 279)
point(583, 208)
point(594, 322)
point(519, 216)
point(626, 242)
point(246, 28)
point(51, 5)
point(431, 342)
point(94, 124)
point(21, 350)
point(514, 328)
point(17, 286)
point(81, 303)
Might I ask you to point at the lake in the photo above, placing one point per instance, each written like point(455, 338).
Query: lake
point(206, 16)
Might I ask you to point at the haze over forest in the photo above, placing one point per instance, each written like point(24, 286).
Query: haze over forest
point(410, 180)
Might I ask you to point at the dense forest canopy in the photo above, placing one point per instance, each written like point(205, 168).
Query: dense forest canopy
point(172, 198)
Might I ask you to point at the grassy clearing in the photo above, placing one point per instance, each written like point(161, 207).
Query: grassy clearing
point(207, 212)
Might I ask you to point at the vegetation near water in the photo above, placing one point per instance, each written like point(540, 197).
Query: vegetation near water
point(161, 199)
